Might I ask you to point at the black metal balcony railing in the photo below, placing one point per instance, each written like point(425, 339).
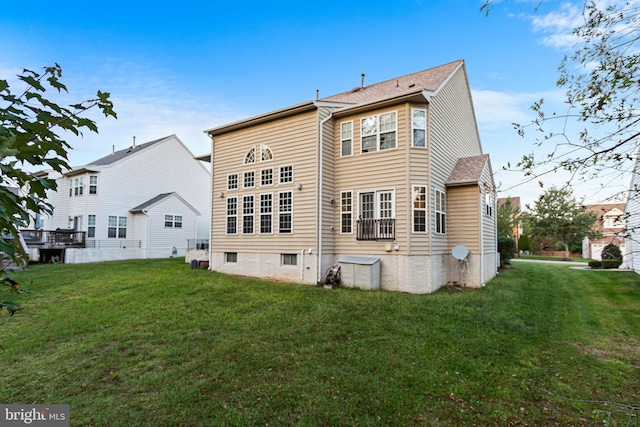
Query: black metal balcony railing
point(54, 238)
point(197, 244)
point(377, 229)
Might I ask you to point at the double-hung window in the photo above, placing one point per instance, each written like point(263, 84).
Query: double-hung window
point(247, 214)
point(232, 215)
point(346, 139)
point(346, 212)
point(79, 186)
point(91, 226)
point(488, 200)
point(379, 132)
point(440, 212)
point(376, 215)
point(419, 128)
point(285, 212)
point(266, 213)
point(419, 197)
point(93, 184)
point(117, 227)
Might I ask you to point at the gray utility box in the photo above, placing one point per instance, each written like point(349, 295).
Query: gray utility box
point(360, 272)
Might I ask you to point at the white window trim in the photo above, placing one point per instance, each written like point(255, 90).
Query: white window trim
point(351, 212)
point(280, 174)
point(435, 212)
point(272, 177)
point(425, 210)
point(263, 149)
point(244, 174)
point(395, 129)
point(237, 181)
point(345, 139)
point(291, 213)
point(255, 155)
point(261, 214)
point(425, 128)
point(253, 214)
point(376, 200)
point(226, 207)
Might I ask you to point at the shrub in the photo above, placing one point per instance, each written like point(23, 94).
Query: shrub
point(611, 251)
point(595, 264)
point(507, 249)
point(611, 263)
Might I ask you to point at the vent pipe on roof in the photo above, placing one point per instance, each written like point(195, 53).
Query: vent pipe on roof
point(362, 85)
point(113, 149)
point(134, 141)
point(317, 94)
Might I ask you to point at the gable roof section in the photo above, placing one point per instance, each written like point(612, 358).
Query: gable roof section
point(121, 154)
point(408, 86)
point(429, 80)
point(468, 170)
point(159, 199)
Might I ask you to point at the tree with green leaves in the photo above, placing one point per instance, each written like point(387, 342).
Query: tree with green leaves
point(30, 136)
point(507, 215)
point(30, 128)
point(598, 132)
point(558, 216)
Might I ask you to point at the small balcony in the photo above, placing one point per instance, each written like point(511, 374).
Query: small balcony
point(377, 229)
point(54, 239)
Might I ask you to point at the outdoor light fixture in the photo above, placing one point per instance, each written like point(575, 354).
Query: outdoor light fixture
point(299, 185)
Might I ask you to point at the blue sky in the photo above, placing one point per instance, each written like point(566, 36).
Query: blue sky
point(183, 67)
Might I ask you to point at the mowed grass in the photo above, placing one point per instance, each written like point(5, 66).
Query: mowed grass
point(154, 343)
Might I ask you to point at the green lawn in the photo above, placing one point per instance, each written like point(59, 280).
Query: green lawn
point(154, 343)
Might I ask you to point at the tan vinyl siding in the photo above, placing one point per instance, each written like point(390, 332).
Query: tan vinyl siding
point(380, 170)
point(452, 134)
point(293, 141)
point(418, 174)
point(464, 212)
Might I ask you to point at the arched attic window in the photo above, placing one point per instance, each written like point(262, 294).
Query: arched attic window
point(250, 157)
point(265, 153)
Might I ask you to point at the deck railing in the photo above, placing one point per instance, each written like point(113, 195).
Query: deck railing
point(54, 238)
point(377, 229)
point(197, 244)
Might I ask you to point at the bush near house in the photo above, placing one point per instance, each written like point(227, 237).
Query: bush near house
point(507, 249)
point(611, 258)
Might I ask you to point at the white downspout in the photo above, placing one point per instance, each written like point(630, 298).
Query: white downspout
point(320, 196)
point(481, 210)
point(148, 230)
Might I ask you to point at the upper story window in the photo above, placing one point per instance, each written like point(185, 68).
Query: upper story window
point(613, 221)
point(419, 128)
point(253, 155)
point(378, 132)
point(173, 221)
point(76, 186)
point(265, 153)
point(93, 184)
point(440, 212)
point(286, 174)
point(249, 179)
point(247, 214)
point(232, 181)
point(250, 157)
point(266, 177)
point(346, 139)
point(488, 201)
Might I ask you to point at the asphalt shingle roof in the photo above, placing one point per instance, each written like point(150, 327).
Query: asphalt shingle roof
point(468, 169)
point(429, 80)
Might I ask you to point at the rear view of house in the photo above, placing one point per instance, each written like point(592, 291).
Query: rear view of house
point(384, 179)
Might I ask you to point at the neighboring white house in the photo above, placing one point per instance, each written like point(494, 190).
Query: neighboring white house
point(146, 201)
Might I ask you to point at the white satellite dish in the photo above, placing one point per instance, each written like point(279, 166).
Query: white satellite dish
point(460, 252)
